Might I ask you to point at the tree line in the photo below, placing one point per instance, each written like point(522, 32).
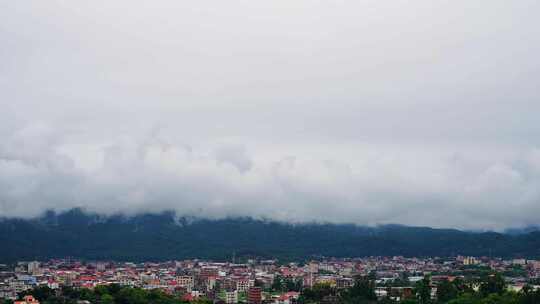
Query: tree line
point(104, 294)
point(491, 289)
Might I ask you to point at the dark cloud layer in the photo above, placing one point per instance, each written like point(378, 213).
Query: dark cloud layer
point(420, 113)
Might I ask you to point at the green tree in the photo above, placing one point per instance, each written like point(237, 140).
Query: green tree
point(41, 293)
point(291, 285)
point(494, 283)
point(446, 291)
point(505, 298)
point(110, 294)
point(106, 299)
point(462, 286)
point(529, 295)
point(423, 290)
point(277, 284)
point(363, 291)
point(466, 298)
point(316, 293)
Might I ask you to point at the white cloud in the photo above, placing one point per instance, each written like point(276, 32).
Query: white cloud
point(419, 113)
point(149, 175)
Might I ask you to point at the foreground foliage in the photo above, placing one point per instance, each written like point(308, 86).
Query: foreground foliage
point(490, 289)
point(108, 294)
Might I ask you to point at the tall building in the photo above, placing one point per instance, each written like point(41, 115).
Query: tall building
point(208, 272)
point(33, 267)
point(313, 267)
point(470, 261)
point(101, 267)
point(342, 283)
point(186, 282)
point(254, 295)
point(244, 284)
point(231, 297)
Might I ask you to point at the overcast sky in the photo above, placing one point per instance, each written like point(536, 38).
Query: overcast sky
point(367, 112)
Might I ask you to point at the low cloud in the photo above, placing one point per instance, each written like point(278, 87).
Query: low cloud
point(152, 175)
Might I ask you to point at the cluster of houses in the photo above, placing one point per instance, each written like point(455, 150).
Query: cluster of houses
point(252, 282)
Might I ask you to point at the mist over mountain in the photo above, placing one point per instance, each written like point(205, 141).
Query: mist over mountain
point(165, 236)
point(524, 230)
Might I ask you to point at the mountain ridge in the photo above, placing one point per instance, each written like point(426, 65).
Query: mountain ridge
point(165, 236)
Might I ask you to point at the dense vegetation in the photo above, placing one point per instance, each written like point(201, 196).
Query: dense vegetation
point(286, 284)
point(90, 236)
point(491, 290)
point(107, 294)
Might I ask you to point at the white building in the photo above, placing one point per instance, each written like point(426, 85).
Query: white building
point(231, 297)
point(243, 285)
point(33, 267)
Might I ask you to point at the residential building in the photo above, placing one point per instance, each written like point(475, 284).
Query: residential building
point(254, 295)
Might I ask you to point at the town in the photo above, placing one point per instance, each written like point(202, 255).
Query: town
point(256, 281)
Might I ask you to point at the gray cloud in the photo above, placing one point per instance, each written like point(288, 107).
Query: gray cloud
point(344, 111)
